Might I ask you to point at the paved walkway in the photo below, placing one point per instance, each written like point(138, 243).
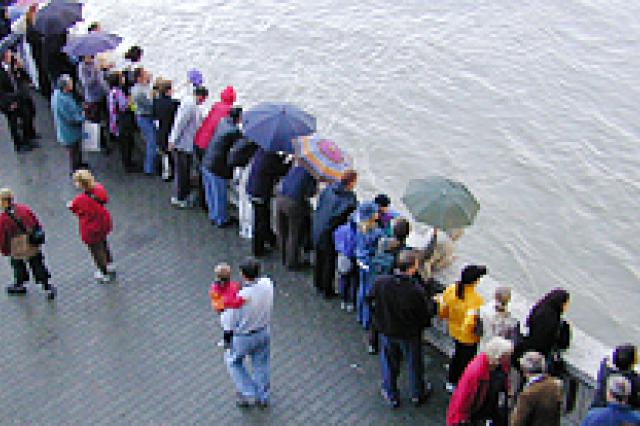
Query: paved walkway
point(143, 350)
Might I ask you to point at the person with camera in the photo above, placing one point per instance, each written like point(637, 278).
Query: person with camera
point(21, 239)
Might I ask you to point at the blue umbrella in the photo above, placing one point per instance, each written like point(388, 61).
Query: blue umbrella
point(57, 17)
point(92, 43)
point(273, 126)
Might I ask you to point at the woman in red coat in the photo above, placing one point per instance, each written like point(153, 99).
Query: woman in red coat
point(94, 221)
point(482, 390)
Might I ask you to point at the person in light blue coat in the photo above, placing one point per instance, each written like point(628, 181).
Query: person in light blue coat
point(68, 119)
point(366, 246)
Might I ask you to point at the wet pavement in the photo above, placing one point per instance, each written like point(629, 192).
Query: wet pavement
point(143, 350)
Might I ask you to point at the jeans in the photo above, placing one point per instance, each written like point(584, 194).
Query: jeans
point(215, 191)
point(363, 310)
point(392, 351)
point(257, 347)
point(148, 130)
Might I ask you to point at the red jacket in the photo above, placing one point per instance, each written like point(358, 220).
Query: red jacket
point(225, 295)
point(95, 220)
point(471, 391)
point(218, 111)
point(9, 229)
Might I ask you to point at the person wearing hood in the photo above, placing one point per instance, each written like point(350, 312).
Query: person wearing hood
point(164, 111)
point(216, 171)
point(335, 204)
point(68, 119)
point(218, 111)
point(94, 222)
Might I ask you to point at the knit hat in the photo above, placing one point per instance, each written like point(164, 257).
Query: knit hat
point(382, 200)
point(195, 77)
point(472, 273)
point(366, 211)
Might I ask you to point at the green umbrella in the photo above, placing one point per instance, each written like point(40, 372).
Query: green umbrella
point(440, 202)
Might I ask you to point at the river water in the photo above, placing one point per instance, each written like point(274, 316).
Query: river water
point(533, 104)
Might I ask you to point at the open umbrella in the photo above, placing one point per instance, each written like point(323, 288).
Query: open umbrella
point(322, 157)
point(273, 126)
point(91, 44)
point(440, 202)
point(58, 16)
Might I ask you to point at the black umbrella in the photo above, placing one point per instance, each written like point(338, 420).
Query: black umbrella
point(57, 17)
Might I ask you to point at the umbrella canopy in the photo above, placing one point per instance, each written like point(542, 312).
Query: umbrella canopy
point(273, 126)
point(9, 42)
point(440, 202)
point(322, 157)
point(57, 17)
point(92, 43)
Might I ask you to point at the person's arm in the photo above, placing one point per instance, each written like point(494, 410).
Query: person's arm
point(179, 124)
point(69, 111)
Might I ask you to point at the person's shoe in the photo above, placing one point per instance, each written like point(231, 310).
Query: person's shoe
point(372, 350)
point(51, 293)
point(390, 400)
point(111, 271)
point(102, 278)
point(449, 387)
point(16, 289)
point(350, 307)
point(262, 404)
point(343, 306)
point(178, 203)
point(428, 390)
point(24, 148)
point(243, 402)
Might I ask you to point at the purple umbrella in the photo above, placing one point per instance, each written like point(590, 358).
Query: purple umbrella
point(92, 43)
point(57, 17)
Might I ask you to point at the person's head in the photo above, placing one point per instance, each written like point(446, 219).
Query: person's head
point(408, 262)
point(552, 305)
point(134, 54)
point(115, 79)
point(65, 83)
point(498, 351)
point(455, 233)
point(502, 297)
point(367, 215)
point(223, 272)
point(235, 114)
point(6, 198)
point(228, 95)
point(88, 59)
point(618, 389)
point(83, 179)
point(401, 229)
point(625, 357)
point(349, 179)
point(250, 269)
point(469, 277)
point(533, 364)
point(200, 94)
point(94, 27)
point(165, 88)
point(383, 201)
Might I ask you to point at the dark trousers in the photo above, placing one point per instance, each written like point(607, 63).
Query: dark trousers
point(21, 116)
point(293, 221)
point(126, 141)
point(462, 356)
point(38, 269)
point(262, 232)
point(75, 156)
point(324, 270)
point(101, 255)
point(183, 174)
point(199, 155)
point(392, 352)
point(348, 284)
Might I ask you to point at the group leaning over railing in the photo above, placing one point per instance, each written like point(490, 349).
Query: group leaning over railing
point(269, 156)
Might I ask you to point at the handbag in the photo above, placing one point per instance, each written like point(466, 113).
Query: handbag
point(90, 137)
point(26, 244)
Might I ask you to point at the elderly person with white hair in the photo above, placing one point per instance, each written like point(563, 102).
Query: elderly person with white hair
point(618, 411)
point(482, 389)
point(540, 403)
point(68, 119)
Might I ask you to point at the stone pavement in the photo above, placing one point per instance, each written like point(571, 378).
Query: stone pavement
point(142, 351)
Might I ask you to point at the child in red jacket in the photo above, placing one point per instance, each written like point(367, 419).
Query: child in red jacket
point(224, 295)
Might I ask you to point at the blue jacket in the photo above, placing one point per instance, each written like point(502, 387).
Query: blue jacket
point(367, 245)
point(266, 169)
point(344, 239)
point(67, 116)
point(298, 184)
point(612, 415)
point(335, 204)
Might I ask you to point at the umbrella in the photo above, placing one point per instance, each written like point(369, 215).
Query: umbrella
point(441, 203)
point(322, 157)
point(92, 43)
point(273, 126)
point(58, 16)
point(9, 42)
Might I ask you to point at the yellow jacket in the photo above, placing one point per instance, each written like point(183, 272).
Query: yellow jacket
point(461, 313)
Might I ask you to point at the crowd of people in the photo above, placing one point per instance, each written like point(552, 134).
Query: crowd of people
point(387, 284)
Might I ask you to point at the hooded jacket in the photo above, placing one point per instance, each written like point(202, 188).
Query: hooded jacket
point(95, 220)
point(335, 204)
point(219, 110)
point(217, 153)
point(9, 228)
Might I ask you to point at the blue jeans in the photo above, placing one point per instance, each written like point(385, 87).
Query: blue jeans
point(257, 347)
point(392, 351)
point(148, 130)
point(215, 191)
point(363, 310)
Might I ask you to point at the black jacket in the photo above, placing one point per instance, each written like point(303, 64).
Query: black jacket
point(164, 110)
point(401, 307)
point(217, 153)
point(267, 168)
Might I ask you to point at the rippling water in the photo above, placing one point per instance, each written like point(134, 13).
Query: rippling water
point(533, 104)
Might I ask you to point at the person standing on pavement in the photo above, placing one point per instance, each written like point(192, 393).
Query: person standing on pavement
point(95, 89)
point(294, 214)
point(21, 238)
point(187, 121)
point(622, 363)
point(617, 412)
point(141, 95)
point(402, 312)
point(68, 119)
point(335, 204)
point(540, 403)
point(216, 171)
point(267, 168)
point(251, 337)
point(94, 222)
point(164, 111)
